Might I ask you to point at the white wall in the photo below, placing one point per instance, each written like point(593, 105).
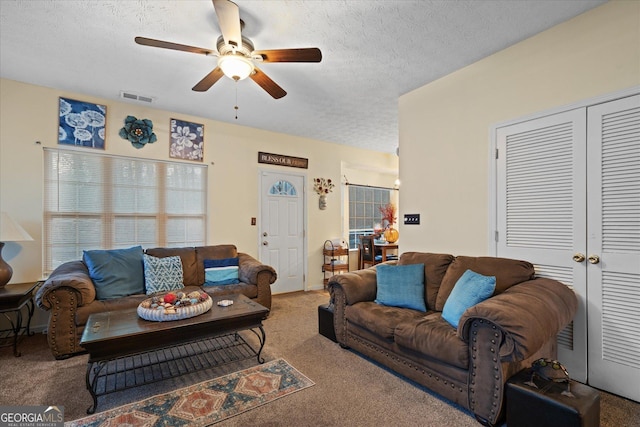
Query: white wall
point(444, 126)
point(29, 113)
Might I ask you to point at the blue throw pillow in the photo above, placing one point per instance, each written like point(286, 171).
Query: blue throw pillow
point(162, 274)
point(117, 272)
point(401, 286)
point(470, 289)
point(221, 271)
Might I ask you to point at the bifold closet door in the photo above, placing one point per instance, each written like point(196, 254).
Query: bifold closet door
point(541, 202)
point(613, 246)
point(568, 200)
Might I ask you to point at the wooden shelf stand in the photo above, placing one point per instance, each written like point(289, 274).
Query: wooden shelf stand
point(336, 260)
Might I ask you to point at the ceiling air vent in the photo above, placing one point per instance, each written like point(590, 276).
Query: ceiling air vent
point(136, 97)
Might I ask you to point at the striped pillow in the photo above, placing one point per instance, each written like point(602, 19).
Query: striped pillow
point(221, 271)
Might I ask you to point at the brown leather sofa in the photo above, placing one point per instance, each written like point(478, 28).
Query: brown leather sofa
point(70, 294)
point(469, 365)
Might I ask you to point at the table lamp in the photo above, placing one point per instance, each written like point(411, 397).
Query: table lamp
point(10, 231)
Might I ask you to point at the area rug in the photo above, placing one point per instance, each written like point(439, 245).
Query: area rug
point(208, 402)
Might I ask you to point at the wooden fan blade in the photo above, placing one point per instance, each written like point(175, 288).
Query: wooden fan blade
point(229, 20)
point(208, 81)
point(175, 46)
point(267, 84)
point(310, 54)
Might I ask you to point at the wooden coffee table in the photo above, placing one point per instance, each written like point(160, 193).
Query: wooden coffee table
point(126, 351)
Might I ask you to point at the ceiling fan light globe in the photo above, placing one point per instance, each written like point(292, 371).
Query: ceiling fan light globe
point(236, 67)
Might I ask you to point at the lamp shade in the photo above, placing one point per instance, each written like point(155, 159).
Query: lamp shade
point(236, 67)
point(10, 231)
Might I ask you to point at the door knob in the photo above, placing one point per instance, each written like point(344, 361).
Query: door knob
point(264, 234)
point(578, 257)
point(265, 243)
point(594, 259)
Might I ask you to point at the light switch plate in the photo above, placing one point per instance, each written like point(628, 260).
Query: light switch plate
point(411, 219)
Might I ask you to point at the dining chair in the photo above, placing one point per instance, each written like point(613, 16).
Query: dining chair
point(369, 254)
point(367, 251)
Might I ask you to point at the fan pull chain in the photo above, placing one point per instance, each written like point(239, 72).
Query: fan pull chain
point(236, 106)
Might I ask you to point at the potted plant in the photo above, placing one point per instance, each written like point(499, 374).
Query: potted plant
point(388, 212)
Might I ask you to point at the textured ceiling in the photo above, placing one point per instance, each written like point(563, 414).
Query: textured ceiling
point(373, 52)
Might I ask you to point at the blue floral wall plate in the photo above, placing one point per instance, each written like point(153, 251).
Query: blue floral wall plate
point(138, 131)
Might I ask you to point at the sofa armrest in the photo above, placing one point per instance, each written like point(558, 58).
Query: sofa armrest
point(250, 269)
point(528, 314)
point(348, 289)
point(357, 286)
point(254, 272)
point(73, 275)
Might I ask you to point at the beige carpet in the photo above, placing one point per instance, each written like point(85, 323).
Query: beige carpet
point(349, 390)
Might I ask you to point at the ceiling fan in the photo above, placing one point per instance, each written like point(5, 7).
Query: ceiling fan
point(236, 55)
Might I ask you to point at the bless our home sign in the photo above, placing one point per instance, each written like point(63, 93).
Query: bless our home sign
point(282, 160)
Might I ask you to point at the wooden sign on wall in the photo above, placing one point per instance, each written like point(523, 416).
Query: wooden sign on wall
point(282, 160)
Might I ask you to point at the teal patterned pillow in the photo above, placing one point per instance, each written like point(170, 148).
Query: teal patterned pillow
point(162, 274)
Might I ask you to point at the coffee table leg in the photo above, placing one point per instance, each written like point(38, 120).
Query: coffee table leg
point(262, 337)
point(92, 383)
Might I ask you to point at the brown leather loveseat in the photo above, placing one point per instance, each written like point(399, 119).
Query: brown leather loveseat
point(70, 295)
point(470, 364)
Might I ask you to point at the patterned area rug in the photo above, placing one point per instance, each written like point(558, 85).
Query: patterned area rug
point(208, 402)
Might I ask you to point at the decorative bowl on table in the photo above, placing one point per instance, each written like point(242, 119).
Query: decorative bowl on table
point(174, 305)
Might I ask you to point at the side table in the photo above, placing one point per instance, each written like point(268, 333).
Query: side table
point(325, 321)
point(13, 298)
point(546, 406)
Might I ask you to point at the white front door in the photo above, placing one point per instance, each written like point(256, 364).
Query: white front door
point(282, 228)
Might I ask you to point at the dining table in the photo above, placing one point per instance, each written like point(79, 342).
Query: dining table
point(384, 247)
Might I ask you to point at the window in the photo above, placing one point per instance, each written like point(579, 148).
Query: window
point(97, 201)
point(364, 210)
point(283, 188)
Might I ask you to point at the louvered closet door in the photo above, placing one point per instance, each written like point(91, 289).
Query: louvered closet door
point(541, 201)
point(614, 237)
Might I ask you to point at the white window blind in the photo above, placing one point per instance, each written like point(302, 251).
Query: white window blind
point(364, 210)
point(98, 201)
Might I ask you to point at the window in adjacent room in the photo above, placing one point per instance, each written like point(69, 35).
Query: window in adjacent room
point(364, 212)
point(97, 201)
